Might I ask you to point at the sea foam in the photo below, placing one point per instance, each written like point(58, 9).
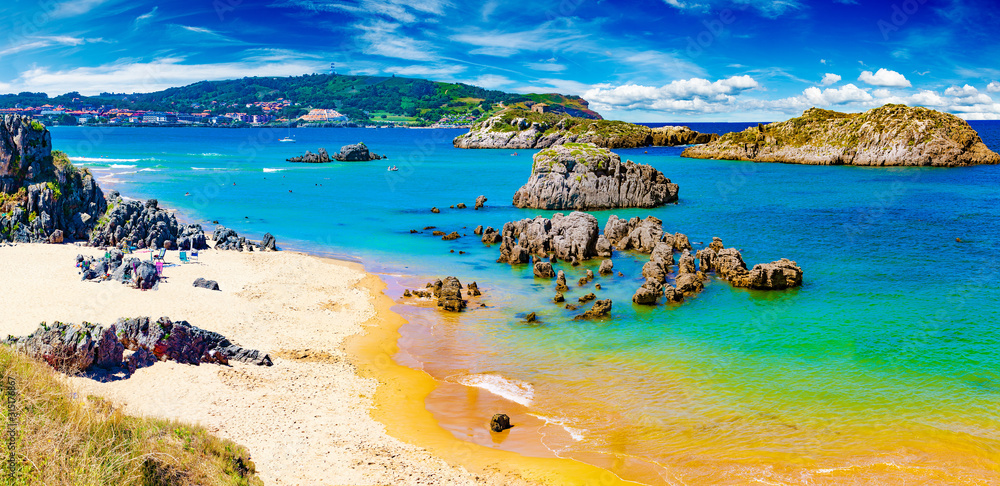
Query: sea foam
point(513, 390)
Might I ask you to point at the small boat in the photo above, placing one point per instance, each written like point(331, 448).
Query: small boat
point(393, 169)
point(287, 139)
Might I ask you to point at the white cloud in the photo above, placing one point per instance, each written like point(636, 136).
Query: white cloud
point(830, 78)
point(490, 81)
point(993, 87)
point(132, 77)
point(72, 8)
point(144, 17)
point(384, 39)
point(881, 93)
point(695, 94)
point(766, 8)
point(884, 77)
point(39, 42)
point(848, 93)
point(435, 72)
point(546, 66)
point(822, 61)
point(963, 91)
point(497, 43)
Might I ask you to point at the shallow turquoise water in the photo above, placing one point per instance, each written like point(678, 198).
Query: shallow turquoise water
point(889, 347)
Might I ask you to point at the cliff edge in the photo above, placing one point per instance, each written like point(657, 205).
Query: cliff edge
point(521, 129)
point(891, 135)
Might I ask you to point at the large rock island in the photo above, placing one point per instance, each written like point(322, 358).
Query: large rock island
point(892, 135)
point(357, 152)
point(521, 129)
point(585, 176)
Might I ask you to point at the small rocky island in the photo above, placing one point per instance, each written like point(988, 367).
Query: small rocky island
point(522, 129)
point(892, 135)
point(357, 152)
point(585, 176)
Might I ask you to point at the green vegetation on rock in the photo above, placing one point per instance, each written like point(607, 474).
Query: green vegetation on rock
point(888, 135)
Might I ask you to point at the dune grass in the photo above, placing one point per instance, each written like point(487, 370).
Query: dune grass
point(63, 439)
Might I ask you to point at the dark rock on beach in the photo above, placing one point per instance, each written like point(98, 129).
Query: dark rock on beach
point(450, 294)
point(500, 422)
point(206, 284)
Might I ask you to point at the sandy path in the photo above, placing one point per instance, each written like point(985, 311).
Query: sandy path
point(305, 420)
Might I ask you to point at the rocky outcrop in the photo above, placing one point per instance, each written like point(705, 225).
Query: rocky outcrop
point(892, 135)
point(228, 239)
point(544, 270)
point(43, 197)
point(641, 235)
point(584, 176)
point(449, 295)
point(491, 235)
point(75, 348)
point(140, 274)
point(607, 267)
point(357, 152)
point(728, 264)
point(521, 129)
point(650, 291)
point(601, 308)
point(570, 237)
point(500, 422)
point(137, 224)
point(480, 202)
point(180, 341)
point(310, 158)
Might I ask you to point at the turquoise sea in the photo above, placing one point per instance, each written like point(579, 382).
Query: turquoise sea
point(882, 368)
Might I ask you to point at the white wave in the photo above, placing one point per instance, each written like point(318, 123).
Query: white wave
point(575, 433)
point(513, 390)
point(273, 170)
point(149, 170)
point(124, 173)
point(100, 159)
point(122, 166)
point(207, 154)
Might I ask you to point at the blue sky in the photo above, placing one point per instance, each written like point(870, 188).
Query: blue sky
point(655, 60)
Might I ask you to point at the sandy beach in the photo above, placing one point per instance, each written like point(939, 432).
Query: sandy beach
point(309, 418)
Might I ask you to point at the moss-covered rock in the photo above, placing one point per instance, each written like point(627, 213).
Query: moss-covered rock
point(892, 135)
point(585, 176)
point(41, 192)
point(521, 129)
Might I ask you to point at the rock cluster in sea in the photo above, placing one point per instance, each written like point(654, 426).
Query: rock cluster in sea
point(357, 152)
point(138, 224)
point(891, 135)
point(585, 176)
point(570, 237)
point(521, 129)
point(76, 348)
point(448, 293)
point(43, 197)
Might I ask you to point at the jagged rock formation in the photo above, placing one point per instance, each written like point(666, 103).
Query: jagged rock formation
point(357, 152)
point(607, 267)
point(521, 129)
point(43, 197)
point(650, 291)
point(480, 202)
point(601, 308)
point(728, 264)
point(892, 135)
point(228, 239)
point(140, 274)
point(310, 158)
point(641, 235)
point(544, 270)
point(74, 348)
point(570, 238)
point(584, 176)
point(144, 225)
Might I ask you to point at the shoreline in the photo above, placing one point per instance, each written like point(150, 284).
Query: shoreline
point(409, 420)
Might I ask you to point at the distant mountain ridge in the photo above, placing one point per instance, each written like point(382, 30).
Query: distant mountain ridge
point(410, 98)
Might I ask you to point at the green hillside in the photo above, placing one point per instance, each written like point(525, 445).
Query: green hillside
point(359, 97)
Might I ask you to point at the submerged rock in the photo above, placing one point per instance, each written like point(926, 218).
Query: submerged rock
point(584, 176)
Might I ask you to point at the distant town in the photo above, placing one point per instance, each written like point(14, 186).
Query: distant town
point(257, 114)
